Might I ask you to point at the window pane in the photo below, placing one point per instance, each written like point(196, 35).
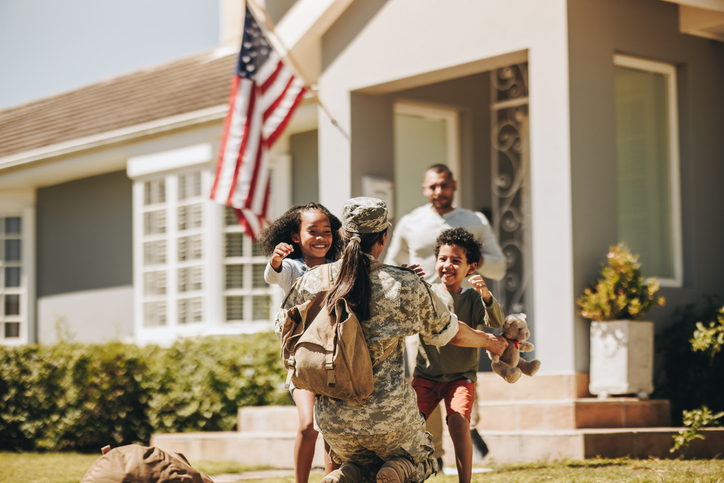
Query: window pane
point(154, 283)
point(154, 252)
point(234, 244)
point(190, 278)
point(154, 314)
point(12, 225)
point(154, 192)
point(190, 216)
point(12, 276)
point(643, 169)
point(12, 330)
point(12, 250)
point(257, 276)
point(190, 248)
point(230, 218)
point(235, 307)
point(189, 185)
point(154, 222)
point(256, 250)
point(190, 310)
point(260, 307)
point(234, 276)
point(12, 304)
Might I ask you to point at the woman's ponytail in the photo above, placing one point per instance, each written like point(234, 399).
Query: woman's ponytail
point(353, 281)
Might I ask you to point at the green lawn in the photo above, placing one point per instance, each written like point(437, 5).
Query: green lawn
point(70, 468)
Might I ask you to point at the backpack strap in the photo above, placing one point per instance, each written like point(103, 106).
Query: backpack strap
point(325, 277)
point(385, 355)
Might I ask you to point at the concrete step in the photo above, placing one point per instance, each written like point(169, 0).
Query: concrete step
point(276, 449)
point(492, 387)
point(641, 443)
point(573, 414)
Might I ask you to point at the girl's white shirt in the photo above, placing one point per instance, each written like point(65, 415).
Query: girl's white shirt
point(290, 270)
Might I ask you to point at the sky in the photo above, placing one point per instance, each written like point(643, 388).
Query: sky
point(52, 46)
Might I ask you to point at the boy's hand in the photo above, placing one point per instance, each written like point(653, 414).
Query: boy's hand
point(281, 251)
point(479, 285)
point(415, 268)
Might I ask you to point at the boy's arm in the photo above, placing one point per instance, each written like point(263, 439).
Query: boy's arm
point(496, 317)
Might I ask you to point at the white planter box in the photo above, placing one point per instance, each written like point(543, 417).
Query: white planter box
point(622, 358)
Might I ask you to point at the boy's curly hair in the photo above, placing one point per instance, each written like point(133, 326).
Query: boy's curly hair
point(462, 238)
point(280, 231)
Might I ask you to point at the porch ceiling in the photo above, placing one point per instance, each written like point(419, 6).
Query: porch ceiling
point(703, 18)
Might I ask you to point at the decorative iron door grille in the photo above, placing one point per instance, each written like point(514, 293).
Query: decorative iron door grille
point(510, 203)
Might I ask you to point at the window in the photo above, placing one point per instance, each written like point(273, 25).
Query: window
point(195, 271)
point(648, 165)
point(174, 252)
point(12, 291)
point(247, 297)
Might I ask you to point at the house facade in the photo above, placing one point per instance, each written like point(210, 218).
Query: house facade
point(574, 124)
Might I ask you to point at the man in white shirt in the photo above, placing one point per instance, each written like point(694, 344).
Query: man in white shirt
point(413, 242)
point(413, 239)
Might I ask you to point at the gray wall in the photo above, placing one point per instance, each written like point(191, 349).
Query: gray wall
point(305, 173)
point(646, 29)
point(84, 238)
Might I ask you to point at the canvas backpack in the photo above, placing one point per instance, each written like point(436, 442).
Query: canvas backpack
point(327, 353)
point(142, 464)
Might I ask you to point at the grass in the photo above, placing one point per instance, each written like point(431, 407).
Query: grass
point(70, 468)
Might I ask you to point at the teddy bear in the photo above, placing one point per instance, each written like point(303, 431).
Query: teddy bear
point(510, 365)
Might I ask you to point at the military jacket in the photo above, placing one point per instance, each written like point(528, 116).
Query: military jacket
point(401, 305)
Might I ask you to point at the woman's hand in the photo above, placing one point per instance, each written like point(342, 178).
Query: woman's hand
point(415, 268)
point(281, 251)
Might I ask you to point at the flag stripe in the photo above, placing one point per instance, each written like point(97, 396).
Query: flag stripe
point(285, 120)
point(245, 164)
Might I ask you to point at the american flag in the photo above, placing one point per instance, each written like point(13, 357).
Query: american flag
point(264, 95)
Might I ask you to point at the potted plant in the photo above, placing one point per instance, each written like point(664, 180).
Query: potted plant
point(622, 346)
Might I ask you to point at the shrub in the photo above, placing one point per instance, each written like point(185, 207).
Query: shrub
point(83, 396)
point(688, 378)
point(622, 292)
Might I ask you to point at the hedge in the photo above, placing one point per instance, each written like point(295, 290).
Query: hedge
point(83, 396)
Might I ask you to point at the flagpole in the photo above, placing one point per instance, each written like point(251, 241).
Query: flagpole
point(290, 59)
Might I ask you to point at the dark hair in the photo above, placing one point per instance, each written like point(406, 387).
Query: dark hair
point(353, 281)
point(441, 168)
point(281, 230)
point(463, 239)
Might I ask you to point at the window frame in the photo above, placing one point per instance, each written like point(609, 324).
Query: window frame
point(669, 73)
point(169, 165)
point(21, 204)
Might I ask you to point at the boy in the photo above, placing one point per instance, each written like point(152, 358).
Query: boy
point(449, 372)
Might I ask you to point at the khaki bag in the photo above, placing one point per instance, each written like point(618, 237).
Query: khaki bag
point(142, 464)
point(327, 354)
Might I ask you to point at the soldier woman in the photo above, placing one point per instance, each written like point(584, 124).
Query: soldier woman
point(384, 438)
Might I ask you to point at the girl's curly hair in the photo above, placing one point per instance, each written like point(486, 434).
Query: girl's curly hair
point(280, 231)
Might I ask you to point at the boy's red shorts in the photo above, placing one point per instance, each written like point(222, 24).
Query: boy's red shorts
point(458, 396)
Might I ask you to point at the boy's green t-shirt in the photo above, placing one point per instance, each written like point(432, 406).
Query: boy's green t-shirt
point(450, 362)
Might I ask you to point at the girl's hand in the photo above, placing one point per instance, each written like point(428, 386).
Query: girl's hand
point(415, 268)
point(281, 251)
point(479, 285)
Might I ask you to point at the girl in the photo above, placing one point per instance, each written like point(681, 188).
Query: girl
point(302, 238)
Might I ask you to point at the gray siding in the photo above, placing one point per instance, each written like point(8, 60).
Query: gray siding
point(648, 29)
point(84, 238)
point(305, 173)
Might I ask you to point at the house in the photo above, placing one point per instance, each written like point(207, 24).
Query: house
point(574, 123)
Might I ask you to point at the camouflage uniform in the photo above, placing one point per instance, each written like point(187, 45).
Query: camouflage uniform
point(388, 424)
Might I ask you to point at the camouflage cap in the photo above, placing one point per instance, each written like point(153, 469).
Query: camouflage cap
point(364, 215)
